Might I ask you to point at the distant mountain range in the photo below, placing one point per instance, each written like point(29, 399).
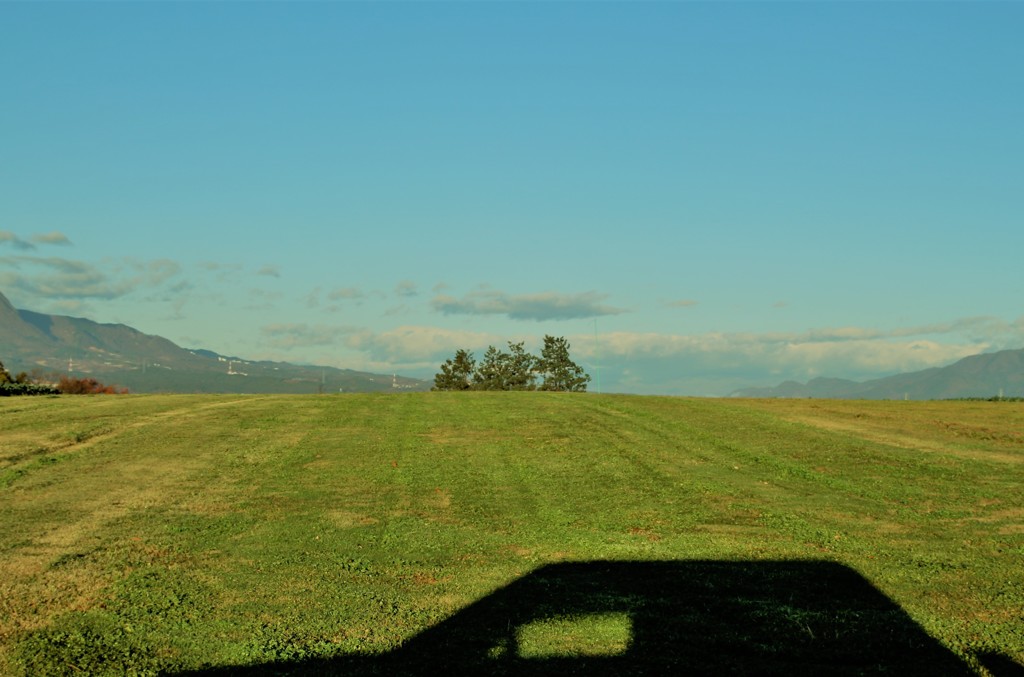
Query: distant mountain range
point(986, 375)
point(117, 354)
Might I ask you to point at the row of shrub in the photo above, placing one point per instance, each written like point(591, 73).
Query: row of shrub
point(994, 398)
point(10, 389)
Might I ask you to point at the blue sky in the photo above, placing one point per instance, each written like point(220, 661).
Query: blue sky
point(700, 196)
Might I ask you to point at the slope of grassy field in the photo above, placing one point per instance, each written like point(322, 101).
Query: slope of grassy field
point(509, 533)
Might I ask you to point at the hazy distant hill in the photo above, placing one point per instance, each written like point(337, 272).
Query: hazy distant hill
point(984, 375)
point(120, 355)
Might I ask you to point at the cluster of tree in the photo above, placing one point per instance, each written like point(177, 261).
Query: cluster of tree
point(25, 384)
point(516, 369)
point(5, 376)
point(22, 384)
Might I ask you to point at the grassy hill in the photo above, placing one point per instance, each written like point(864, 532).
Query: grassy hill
point(509, 533)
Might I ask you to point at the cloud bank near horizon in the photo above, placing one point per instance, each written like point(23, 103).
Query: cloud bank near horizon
point(702, 364)
point(247, 307)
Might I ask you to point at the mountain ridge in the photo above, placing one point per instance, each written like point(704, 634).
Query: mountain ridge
point(121, 355)
point(982, 375)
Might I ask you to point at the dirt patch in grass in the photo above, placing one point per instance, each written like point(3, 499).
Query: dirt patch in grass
point(999, 519)
point(424, 578)
point(645, 533)
point(977, 432)
point(738, 530)
point(519, 551)
point(346, 519)
point(209, 506)
point(26, 605)
point(1000, 515)
point(442, 499)
point(451, 436)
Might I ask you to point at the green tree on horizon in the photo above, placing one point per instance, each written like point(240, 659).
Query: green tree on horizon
point(514, 370)
point(456, 373)
point(522, 368)
point(560, 373)
point(489, 374)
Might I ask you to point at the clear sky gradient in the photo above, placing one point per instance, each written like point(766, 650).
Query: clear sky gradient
point(700, 196)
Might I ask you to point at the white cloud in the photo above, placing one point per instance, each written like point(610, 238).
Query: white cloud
point(7, 237)
point(153, 272)
point(51, 238)
point(415, 344)
point(68, 307)
point(54, 278)
point(406, 288)
point(269, 271)
point(224, 273)
point(539, 307)
point(869, 352)
point(346, 294)
point(297, 335)
point(214, 267)
point(46, 279)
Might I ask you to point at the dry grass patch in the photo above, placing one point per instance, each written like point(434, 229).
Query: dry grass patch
point(347, 519)
point(988, 431)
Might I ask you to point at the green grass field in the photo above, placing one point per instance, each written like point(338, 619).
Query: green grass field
point(509, 533)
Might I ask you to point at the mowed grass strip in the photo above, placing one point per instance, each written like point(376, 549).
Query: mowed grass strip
point(149, 534)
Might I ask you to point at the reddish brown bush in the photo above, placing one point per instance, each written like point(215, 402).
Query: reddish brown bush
point(86, 386)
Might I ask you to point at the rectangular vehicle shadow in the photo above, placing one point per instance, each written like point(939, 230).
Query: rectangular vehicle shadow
point(660, 618)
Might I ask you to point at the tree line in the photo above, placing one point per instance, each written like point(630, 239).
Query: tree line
point(26, 384)
point(514, 369)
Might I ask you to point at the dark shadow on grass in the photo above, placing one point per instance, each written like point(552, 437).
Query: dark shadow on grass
point(1001, 666)
point(662, 618)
